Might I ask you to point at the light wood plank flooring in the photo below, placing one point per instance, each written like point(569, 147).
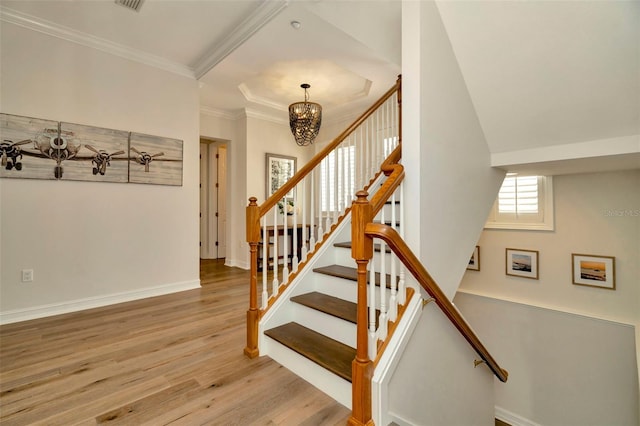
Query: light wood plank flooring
point(174, 359)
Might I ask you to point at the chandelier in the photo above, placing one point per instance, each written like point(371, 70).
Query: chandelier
point(305, 119)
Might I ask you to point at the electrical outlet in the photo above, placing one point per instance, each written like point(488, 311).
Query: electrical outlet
point(27, 275)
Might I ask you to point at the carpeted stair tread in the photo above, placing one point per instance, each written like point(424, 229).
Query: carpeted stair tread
point(330, 305)
point(348, 273)
point(324, 351)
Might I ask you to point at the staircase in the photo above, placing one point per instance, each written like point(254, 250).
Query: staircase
point(333, 315)
point(316, 318)
point(329, 353)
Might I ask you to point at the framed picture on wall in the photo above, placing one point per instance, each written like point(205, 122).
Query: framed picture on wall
point(522, 263)
point(474, 261)
point(279, 169)
point(594, 271)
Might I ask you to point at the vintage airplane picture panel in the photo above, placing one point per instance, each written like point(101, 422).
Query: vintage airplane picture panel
point(42, 149)
point(154, 159)
point(30, 148)
point(101, 154)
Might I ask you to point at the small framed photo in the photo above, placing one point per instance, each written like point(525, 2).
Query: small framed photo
point(279, 169)
point(594, 271)
point(474, 261)
point(522, 263)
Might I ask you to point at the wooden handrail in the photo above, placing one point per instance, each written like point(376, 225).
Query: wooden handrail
point(406, 256)
point(395, 176)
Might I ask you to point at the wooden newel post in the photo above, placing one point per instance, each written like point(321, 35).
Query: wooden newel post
point(362, 366)
point(253, 238)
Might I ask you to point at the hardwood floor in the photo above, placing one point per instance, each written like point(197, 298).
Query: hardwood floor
point(174, 359)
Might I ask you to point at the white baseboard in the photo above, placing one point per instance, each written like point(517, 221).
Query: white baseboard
point(399, 420)
point(93, 302)
point(512, 418)
point(237, 264)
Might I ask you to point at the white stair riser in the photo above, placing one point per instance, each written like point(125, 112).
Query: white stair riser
point(338, 388)
point(344, 289)
point(336, 328)
point(336, 287)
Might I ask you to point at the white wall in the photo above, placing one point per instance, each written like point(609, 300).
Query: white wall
point(564, 369)
point(435, 382)
point(95, 243)
point(549, 348)
point(446, 155)
point(217, 126)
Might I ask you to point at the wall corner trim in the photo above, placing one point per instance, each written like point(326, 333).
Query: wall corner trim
point(511, 418)
point(557, 309)
point(65, 33)
point(237, 264)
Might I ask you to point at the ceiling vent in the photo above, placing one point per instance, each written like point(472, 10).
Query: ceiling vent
point(131, 4)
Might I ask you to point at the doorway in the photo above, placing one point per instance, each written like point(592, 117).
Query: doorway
point(213, 199)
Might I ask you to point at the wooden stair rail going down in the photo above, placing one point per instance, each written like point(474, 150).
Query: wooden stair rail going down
point(365, 143)
point(397, 245)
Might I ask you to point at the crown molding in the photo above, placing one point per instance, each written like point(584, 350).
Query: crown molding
point(217, 113)
point(65, 33)
point(260, 17)
point(267, 116)
point(244, 113)
point(246, 92)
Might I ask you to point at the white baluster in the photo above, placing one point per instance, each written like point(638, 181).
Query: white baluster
point(335, 188)
point(345, 177)
point(380, 144)
point(275, 283)
point(353, 165)
point(373, 347)
point(265, 263)
point(360, 159)
point(285, 240)
point(294, 248)
point(305, 237)
point(396, 123)
point(382, 327)
point(387, 126)
point(320, 199)
point(401, 283)
point(393, 300)
point(329, 187)
point(370, 144)
point(312, 237)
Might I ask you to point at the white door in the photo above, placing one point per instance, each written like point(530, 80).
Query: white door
point(222, 201)
point(204, 202)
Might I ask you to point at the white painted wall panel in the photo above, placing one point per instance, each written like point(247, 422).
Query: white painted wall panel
point(89, 240)
point(436, 383)
point(564, 369)
point(457, 186)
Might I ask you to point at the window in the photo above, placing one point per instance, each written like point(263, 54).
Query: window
point(333, 187)
point(524, 202)
point(340, 186)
